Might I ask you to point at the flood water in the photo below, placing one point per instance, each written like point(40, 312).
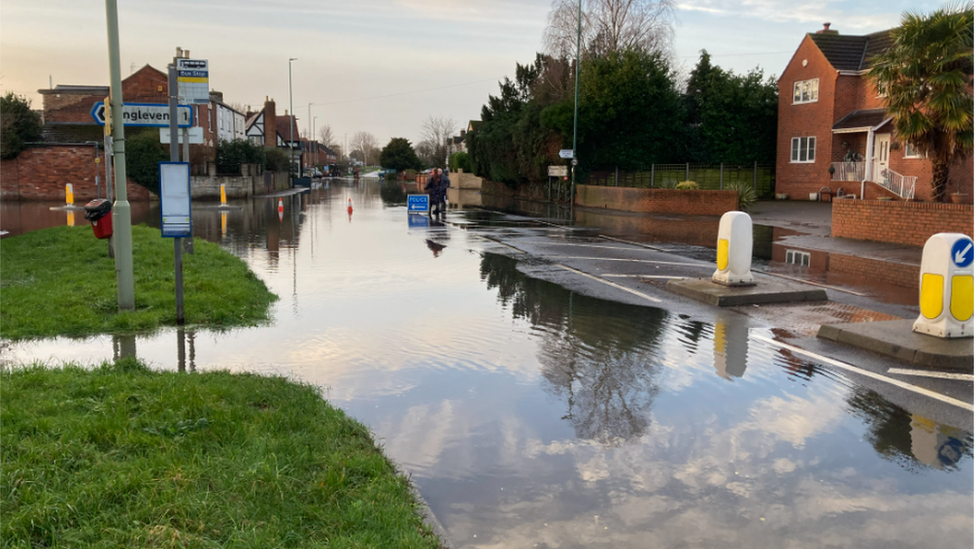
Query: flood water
point(531, 416)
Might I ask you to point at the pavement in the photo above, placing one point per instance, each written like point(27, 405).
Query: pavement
point(587, 261)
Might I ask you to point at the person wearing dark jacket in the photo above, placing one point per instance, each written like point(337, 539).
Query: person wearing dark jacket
point(443, 185)
point(431, 188)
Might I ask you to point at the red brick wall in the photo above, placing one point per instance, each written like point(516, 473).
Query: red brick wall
point(40, 173)
point(805, 120)
point(889, 272)
point(657, 200)
point(69, 107)
point(909, 223)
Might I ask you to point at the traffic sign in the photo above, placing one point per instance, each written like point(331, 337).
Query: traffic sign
point(145, 114)
point(193, 78)
point(565, 153)
point(174, 199)
point(417, 203)
point(962, 252)
point(558, 171)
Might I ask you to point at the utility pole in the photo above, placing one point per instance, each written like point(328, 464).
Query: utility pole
point(291, 126)
point(174, 156)
point(123, 213)
point(579, 25)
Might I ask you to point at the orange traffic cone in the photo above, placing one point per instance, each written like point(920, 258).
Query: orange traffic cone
point(281, 206)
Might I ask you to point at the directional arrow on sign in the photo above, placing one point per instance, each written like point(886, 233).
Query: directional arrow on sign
point(145, 114)
point(962, 252)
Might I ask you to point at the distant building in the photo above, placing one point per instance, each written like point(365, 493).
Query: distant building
point(266, 128)
point(231, 124)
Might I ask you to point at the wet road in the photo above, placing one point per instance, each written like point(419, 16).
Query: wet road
point(533, 414)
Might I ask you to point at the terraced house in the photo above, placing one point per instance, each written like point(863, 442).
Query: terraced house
point(836, 136)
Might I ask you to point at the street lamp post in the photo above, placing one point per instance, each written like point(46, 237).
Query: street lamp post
point(579, 24)
point(315, 156)
point(309, 140)
point(291, 126)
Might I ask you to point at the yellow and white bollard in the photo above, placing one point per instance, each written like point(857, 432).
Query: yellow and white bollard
point(734, 257)
point(69, 195)
point(223, 195)
point(945, 297)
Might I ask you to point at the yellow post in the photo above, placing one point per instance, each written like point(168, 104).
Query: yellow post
point(223, 195)
point(71, 218)
point(69, 195)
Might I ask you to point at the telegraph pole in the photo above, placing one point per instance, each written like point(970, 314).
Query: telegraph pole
point(579, 25)
point(123, 213)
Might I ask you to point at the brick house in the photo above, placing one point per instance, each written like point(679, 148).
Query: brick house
point(266, 128)
point(831, 116)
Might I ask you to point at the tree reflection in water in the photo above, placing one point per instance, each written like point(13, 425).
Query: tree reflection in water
point(601, 357)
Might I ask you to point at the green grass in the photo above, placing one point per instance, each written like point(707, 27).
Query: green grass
point(120, 456)
point(61, 281)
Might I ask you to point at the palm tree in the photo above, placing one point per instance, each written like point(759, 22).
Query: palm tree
point(927, 78)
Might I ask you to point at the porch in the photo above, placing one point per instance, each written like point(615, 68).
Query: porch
point(861, 151)
point(902, 185)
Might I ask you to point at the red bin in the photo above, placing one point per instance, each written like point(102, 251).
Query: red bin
point(99, 212)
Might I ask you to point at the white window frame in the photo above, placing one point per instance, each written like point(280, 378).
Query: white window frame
point(914, 154)
point(796, 257)
point(803, 150)
point(810, 87)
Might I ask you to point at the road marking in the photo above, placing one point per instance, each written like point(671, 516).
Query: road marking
point(549, 242)
point(700, 265)
point(608, 283)
point(642, 245)
point(499, 242)
point(642, 276)
point(812, 283)
point(926, 373)
point(867, 373)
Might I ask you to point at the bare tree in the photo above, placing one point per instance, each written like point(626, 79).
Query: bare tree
point(327, 137)
point(366, 145)
point(434, 133)
point(610, 25)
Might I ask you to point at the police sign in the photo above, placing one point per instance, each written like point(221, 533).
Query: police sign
point(417, 203)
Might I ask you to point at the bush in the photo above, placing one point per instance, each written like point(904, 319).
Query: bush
point(231, 154)
point(276, 160)
point(20, 125)
point(747, 196)
point(459, 161)
point(143, 153)
point(687, 186)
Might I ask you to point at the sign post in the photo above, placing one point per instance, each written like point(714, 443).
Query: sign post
point(174, 208)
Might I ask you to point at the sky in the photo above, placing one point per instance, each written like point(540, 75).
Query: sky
point(381, 66)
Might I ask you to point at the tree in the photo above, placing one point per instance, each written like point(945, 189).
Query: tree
point(231, 154)
point(399, 155)
point(433, 136)
point(327, 137)
point(927, 79)
point(143, 153)
point(609, 26)
point(366, 145)
point(18, 125)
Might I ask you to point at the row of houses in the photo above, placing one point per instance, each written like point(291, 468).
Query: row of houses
point(67, 121)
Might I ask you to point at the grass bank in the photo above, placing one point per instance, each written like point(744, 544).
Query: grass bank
point(61, 281)
point(120, 456)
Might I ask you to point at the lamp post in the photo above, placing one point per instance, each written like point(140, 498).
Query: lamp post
point(315, 156)
point(291, 125)
point(579, 24)
point(309, 140)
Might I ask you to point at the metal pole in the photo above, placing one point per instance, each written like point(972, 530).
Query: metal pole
point(652, 176)
point(315, 155)
point(579, 23)
point(721, 176)
point(174, 156)
point(123, 213)
point(755, 175)
point(291, 126)
point(687, 171)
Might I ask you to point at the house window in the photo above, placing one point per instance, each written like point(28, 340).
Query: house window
point(796, 257)
point(911, 151)
point(806, 91)
point(803, 149)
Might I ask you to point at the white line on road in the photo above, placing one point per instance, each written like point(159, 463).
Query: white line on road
point(867, 373)
point(811, 283)
point(641, 276)
point(642, 245)
point(926, 373)
point(608, 283)
point(700, 265)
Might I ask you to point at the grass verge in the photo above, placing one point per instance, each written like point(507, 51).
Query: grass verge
point(121, 456)
point(60, 281)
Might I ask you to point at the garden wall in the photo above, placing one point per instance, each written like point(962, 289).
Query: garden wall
point(40, 173)
point(910, 223)
point(684, 202)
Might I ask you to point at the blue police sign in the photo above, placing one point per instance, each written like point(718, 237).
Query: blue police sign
point(418, 222)
point(962, 252)
point(417, 203)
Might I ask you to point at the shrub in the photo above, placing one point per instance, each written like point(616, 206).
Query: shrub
point(459, 161)
point(20, 125)
point(687, 186)
point(276, 160)
point(231, 154)
point(143, 153)
point(747, 196)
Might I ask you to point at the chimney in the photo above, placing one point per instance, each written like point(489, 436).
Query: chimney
point(270, 124)
point(826, 30)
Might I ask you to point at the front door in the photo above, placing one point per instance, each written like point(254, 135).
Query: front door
point(882, 144)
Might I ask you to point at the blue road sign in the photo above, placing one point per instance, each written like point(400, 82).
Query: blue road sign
point(962, 252)
point(417, 203)
point(146, 114)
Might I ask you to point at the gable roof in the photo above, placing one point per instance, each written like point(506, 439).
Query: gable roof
point(281, 125)
point(862, 120)
point(851, 53)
